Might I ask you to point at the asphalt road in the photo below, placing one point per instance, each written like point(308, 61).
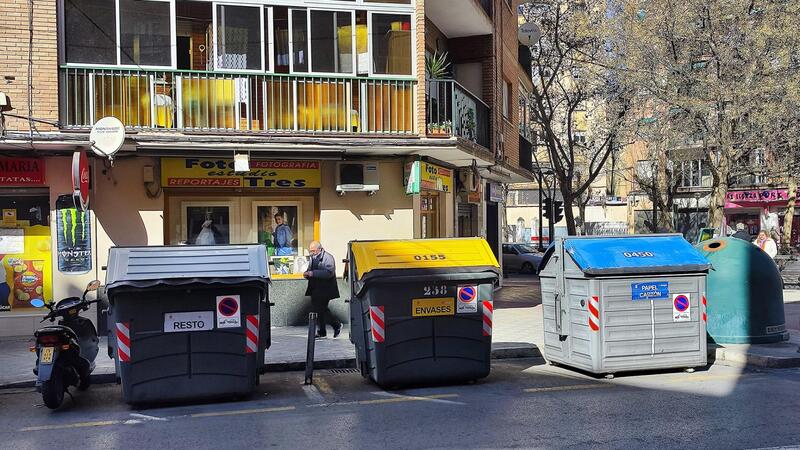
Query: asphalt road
point(523, 403)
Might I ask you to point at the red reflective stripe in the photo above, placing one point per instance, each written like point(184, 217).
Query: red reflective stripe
point(376, 318)
point(124, 339)
point(594, 311)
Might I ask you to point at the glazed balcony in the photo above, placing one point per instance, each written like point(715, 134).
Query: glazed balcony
point(186, 100)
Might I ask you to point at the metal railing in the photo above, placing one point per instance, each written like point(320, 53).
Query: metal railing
point(452, 111)
point(199, 100)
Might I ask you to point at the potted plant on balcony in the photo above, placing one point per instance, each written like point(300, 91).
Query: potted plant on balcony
point(437, 66)
point(440, 129)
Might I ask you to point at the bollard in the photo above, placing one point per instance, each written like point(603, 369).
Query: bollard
point(312, 331)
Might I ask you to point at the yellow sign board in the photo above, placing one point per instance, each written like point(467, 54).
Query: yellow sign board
point(218, 172)
point(422, 254)
point(421, 175)
point(427, 307)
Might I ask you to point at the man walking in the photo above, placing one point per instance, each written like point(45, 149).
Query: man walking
point(322, 288)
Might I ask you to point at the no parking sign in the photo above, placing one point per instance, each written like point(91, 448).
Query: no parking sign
point(229, 314)
point(681, 308)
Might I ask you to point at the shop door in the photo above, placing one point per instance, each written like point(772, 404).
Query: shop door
point(429, 215)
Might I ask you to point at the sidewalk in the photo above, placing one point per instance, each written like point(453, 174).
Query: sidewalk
point(512, 339)
point(517, 332)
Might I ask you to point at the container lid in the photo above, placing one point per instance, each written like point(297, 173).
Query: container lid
point(460, 253)
point(616, 255)
point(180, 265)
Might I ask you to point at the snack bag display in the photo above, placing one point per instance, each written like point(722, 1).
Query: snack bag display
point(28, 282)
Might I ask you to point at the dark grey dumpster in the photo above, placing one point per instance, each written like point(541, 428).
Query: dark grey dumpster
point(622, 303)
point(421, 310)
point(188, 322)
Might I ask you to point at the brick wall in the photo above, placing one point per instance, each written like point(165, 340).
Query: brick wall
point(506, 24)
point(420, 55)
point(14, 37)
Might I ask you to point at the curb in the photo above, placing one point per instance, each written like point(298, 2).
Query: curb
point(509, 352)
point(732, 358)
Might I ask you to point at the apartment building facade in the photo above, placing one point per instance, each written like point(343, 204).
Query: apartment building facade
point(345, 135)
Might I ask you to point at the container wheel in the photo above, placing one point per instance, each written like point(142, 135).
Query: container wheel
point(689, 370)
point(84, 382)
point(53, 390)
point(362, 366)
point(609, 376)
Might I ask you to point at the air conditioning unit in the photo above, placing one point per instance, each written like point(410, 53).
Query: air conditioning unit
point(357, 177)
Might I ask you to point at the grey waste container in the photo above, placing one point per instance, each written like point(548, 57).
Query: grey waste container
point(623, 303)
point(188, 322)
point(421, 310)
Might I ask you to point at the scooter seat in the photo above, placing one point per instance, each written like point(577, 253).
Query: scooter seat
point(56, 329)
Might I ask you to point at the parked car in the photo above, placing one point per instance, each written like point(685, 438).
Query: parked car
point(521, 258)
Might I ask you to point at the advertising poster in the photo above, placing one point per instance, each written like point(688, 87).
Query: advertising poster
point(25, 275)
point(73, 237)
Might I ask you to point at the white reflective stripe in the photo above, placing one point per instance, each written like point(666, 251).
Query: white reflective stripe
point(124, 329)
point(378, 310)
point(488, 314)
point(250, 343)
point(378, 323)
point(123, 349)
point(253, 327)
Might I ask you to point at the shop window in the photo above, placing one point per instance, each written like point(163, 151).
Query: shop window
point(207, 225)
point(144, 33)
point(90, 29)
point(391, 44)
point(299, 42)
point(331, 42)
point(238, 37)
point(279, 228)
point(25, 249)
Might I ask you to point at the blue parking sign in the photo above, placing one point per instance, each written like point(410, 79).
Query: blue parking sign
point(654, 290)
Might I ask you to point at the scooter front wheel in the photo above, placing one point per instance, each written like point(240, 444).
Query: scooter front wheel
point(53, 389)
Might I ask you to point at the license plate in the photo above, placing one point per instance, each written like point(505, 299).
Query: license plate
point(426, 307)
point(47, 355)
point(188, 321)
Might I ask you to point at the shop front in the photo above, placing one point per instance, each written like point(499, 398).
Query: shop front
point(760, 209)
point(433, 186)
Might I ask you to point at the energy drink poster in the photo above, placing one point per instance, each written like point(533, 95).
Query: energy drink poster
point(73, 237)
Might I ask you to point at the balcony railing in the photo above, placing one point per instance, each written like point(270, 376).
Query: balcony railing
point(196, 100)
point(452, 111)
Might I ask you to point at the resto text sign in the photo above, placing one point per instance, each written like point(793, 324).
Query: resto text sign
point(219, 173)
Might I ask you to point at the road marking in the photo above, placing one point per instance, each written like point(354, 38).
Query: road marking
point(403, 398)
point(380, 401)
point(312, 393)
point(414, 397)
point(242, 411)
point(146, 417)
point(323, 386)
point(101, 423)
point(574, 387)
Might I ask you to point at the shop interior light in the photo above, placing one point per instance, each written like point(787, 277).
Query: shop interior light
point(241, 162)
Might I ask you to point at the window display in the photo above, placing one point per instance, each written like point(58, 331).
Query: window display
point(25, 251)
point(278, 230)
point(208, 225)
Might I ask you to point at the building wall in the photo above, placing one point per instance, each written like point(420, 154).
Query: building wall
point(389, 214)
point(420, 57)
point(14, 38)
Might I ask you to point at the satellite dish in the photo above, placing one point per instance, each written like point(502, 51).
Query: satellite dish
point(529, 33)
point(107, 137)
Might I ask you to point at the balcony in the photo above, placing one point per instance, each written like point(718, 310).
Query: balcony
point(208, 101)
point(452, 111)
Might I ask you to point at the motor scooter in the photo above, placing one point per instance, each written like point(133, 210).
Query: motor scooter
point(65, 353)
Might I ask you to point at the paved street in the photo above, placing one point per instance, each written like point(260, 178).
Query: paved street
point(523, 403)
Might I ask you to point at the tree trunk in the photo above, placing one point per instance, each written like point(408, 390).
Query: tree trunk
point(786, 239)
point(569, 214)
point(716, 199)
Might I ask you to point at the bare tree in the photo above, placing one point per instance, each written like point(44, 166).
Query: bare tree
point(574, 66)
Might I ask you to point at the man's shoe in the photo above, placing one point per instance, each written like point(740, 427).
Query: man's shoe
point(336, 331)
point(320, 336)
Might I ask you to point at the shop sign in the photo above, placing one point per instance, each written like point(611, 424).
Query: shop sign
point(21, 171)
point(220, 173)
point(495, 192)
point(764, 195)
point(73, 237)
point(420, 175)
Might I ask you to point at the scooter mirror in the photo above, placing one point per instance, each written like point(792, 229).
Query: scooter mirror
point(37, 303)
point(93, 286)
